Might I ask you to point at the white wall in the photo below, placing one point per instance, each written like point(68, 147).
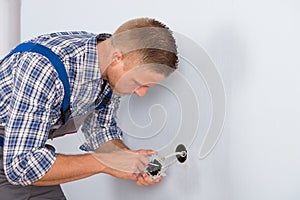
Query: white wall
point(9, 25)
point(255, 46)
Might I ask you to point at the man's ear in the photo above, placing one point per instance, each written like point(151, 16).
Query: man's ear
point(116, 57)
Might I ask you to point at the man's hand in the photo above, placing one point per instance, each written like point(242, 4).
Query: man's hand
point(127, 164)
point(109, 154)
point(145, 180)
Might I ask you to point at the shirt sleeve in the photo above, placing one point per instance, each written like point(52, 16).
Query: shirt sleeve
point(35, 88)
point(100, 126)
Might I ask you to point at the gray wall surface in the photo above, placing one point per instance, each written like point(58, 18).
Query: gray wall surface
point(254, 45)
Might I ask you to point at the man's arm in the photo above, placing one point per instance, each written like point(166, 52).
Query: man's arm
point(125, 164)
point(68, 168)
point(108, 139)
point(100, 127)
point(116, 145)
point(36, 92)
point(111, 145)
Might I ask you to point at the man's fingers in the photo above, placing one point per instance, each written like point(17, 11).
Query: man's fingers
point(141, 181)
point(147, 152)
point(127, 165)
point(145, 180)
point(140, 167)
point(133, 177)
point(158, 179)
point(144, 160)
point(149, 180)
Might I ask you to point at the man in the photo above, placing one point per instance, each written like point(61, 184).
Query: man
point(138, 55)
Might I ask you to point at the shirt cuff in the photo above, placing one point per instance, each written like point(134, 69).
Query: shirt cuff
point(96, 140)
point(29, 171)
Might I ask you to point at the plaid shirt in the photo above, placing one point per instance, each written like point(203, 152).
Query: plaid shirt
point(31, 95)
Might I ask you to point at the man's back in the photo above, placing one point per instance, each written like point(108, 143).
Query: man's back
point(71, 47)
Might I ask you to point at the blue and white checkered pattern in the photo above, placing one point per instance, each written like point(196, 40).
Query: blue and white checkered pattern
point(31, 94)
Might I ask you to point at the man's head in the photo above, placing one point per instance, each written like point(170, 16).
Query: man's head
point(143, 52)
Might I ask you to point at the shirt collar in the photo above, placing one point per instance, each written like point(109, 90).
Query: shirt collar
point(90, 80)
point(91, 63)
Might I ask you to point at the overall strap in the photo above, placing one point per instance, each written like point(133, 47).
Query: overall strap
point(104, 101)
point(106, 98)
point(59, 67)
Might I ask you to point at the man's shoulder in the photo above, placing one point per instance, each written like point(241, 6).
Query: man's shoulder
point(64, 38)
point(65, 34)
point(69, 43)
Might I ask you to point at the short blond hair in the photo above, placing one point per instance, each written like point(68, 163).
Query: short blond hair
point(149, 40)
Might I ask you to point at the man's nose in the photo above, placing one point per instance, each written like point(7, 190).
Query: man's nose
point(141, 91)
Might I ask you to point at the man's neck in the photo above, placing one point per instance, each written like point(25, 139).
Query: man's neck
point(103, 50)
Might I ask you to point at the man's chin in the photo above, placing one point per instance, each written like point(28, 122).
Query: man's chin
point(121, 94)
